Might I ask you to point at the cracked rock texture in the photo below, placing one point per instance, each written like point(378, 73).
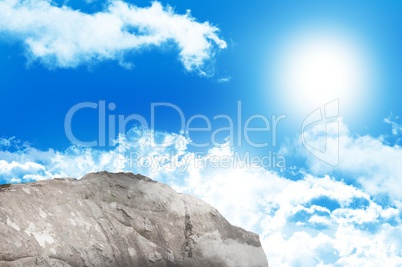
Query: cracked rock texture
point(122, 219)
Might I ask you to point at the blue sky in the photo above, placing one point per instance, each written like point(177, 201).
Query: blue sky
point(333, 185)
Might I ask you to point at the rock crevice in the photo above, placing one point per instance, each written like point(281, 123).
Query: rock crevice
point(189, 236)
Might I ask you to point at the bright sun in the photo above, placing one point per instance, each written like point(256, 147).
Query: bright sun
point(316, 69)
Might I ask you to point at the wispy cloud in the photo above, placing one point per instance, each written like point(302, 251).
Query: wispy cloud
point(396, 127)
point(6, 142)
point(224, 79)
point(370, 162)
point(60, 37)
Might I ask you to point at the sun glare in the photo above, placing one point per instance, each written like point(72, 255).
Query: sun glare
point(316, 69)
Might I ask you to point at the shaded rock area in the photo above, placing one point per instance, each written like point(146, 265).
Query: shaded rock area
point(122, 219)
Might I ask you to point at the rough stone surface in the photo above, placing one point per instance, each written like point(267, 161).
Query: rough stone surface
point(121, 219)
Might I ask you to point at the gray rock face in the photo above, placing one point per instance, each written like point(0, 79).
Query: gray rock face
point(121, 219)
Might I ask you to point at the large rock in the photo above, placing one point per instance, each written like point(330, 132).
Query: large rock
point(121, 219)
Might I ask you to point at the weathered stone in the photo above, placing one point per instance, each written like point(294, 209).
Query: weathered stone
point(154, 257)
point(120, 219)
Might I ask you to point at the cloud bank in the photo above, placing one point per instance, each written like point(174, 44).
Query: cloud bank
point(60, 37)
point(371, 163)
point(313, 220)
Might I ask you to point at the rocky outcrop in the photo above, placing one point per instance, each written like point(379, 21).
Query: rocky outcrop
point(121, 219)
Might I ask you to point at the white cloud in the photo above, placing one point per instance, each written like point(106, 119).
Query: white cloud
point(6, 142)
point(224, 79)
point(396, 127)
point(294, 231)
point(371, 162)
point(152, 158)
point(315, 220)
point(60, 37)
